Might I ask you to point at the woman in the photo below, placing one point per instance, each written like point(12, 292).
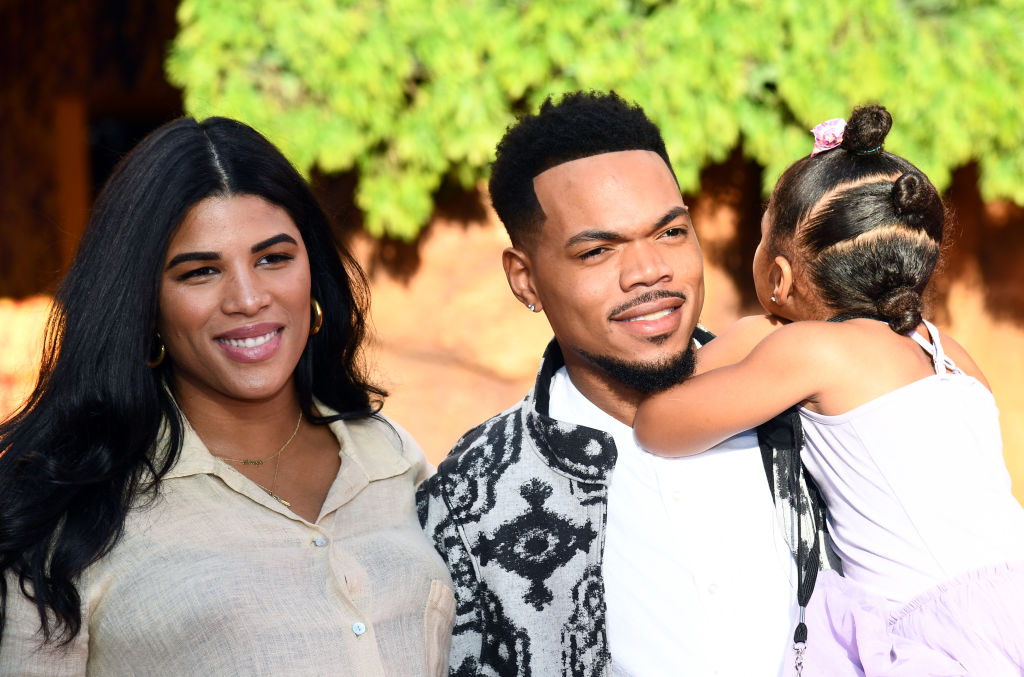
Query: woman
point(172, 496)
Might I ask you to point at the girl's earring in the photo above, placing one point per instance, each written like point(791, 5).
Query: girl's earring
point(774, 300)
point(318, 317)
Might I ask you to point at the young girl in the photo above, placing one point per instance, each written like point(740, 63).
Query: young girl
point(902, 433)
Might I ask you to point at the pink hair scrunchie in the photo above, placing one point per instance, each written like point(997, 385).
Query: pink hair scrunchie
point(828, 134)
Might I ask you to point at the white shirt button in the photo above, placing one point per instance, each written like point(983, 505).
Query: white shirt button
point(320, 542)
point(358, 629)
point(713, 589)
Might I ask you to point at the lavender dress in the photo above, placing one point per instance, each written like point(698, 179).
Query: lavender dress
point(931, 538)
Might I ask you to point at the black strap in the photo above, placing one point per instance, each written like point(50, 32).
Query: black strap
point(807, 560)
point(808, 572)
point(843, 317)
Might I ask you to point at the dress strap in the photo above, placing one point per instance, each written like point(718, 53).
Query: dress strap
point(941, 361)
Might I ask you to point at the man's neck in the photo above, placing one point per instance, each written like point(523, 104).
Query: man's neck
point(614, 398)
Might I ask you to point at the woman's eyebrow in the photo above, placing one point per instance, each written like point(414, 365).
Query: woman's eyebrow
point(271, 241)
point(214, 256)
point(192, 256)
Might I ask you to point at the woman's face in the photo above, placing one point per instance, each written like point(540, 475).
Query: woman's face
point(234, 300)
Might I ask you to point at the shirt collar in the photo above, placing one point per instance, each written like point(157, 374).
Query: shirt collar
point(586, 454)
point(195, 458)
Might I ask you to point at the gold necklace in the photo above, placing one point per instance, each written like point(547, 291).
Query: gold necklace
point(277, 467)
point(273, 485)
point(261, 461)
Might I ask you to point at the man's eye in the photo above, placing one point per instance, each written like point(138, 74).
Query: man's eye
point(677, 231)
point(591, 253)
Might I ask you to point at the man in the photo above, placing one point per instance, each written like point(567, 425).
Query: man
point(574, 552)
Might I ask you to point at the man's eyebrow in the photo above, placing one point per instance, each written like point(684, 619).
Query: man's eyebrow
point(596, 235)
point(592, 236)
point(670, 216)
point(271, 241)
point(192, 256)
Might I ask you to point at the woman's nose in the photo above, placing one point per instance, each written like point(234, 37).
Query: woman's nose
point(244, 294)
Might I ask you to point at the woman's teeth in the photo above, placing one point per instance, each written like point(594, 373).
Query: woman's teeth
point(248, 342)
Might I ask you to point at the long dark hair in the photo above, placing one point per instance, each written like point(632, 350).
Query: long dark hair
point(868, 224)
point(80, 452)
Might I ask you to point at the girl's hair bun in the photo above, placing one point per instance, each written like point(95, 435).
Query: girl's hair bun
point(866, 131)
point(911, 194)
point(901, 308)
point(917, 203)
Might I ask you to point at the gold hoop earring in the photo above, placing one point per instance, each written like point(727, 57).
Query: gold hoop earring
point(153, 364)
point(318, 317)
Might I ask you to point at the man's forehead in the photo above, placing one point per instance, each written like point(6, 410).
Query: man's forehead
point(608, 188)
point(594, 166)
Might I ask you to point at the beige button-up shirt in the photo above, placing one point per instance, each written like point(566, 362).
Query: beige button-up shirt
point(217, 578)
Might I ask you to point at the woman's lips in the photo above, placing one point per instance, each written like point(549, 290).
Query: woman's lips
point(245, 345)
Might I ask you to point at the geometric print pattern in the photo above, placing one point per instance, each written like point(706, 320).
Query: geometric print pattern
point(518, 512)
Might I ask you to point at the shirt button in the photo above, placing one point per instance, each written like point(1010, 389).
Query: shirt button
point(358, 629)
point(320, 542)
point(713, 588)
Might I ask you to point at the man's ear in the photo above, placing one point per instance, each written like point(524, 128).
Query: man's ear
point(781, 276)
point(519, 273)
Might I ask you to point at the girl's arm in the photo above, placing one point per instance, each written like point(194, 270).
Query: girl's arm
point(786, 368)
point(736, 342)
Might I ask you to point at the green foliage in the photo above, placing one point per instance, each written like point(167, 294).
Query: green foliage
point(408, 93)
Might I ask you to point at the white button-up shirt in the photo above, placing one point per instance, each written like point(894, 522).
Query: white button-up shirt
point(688, 594)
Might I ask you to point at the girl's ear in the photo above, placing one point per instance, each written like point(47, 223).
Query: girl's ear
point(781, 276)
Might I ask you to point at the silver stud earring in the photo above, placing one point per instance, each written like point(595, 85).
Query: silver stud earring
point(532, 308)
point(773, 299)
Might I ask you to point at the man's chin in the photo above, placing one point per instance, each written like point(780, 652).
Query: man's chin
point(646, 377)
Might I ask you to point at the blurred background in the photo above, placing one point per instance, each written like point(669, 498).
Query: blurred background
point(392, 109)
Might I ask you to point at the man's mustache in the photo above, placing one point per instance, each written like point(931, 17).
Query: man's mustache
point(646, 297)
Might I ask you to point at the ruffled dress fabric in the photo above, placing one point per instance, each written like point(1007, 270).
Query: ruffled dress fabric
point(972, 625)
point(917, 492)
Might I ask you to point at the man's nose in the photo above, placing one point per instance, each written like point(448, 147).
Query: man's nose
point(644, 264)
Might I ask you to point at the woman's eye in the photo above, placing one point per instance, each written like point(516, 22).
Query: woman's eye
point(197, 273)
point(271, 259)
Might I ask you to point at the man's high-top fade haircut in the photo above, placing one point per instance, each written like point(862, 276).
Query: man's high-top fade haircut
point(581, 124)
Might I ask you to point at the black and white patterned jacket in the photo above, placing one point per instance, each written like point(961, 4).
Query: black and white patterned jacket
point(518, 511)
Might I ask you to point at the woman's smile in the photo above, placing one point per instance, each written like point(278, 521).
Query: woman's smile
point(252, 343)
point(235, 299)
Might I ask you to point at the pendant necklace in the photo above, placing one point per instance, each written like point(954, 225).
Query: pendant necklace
point(276, 456)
